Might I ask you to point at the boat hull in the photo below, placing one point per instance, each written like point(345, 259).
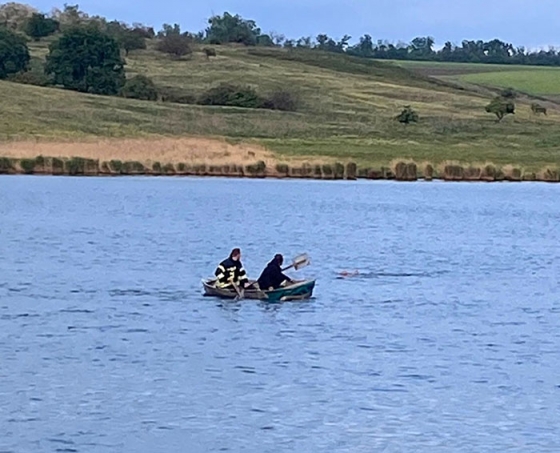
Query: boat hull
point(297, 291)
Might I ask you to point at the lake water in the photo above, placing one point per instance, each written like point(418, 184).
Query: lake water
point(448, 340)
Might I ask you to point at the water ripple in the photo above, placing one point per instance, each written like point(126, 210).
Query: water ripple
point(447, 338)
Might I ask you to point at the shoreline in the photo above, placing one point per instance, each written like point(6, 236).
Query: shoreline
point(397, 170)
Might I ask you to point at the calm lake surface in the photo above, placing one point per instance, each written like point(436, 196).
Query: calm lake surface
point(448, 340)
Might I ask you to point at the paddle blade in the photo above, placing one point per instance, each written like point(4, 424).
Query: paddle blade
point(301, 261)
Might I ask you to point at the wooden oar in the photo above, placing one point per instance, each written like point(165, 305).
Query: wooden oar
point(298, 262)
point(240, 293)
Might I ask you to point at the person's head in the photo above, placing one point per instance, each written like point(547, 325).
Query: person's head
point(278, 258)
point(235, 254)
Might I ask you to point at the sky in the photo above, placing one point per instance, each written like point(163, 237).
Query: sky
point(529, 23)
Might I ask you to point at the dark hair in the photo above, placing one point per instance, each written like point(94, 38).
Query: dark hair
point(279, 258)
point(235, 252)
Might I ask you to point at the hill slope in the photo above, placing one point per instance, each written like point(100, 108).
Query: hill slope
point(347, 110)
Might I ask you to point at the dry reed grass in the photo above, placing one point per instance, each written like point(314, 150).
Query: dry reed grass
point(146, 150)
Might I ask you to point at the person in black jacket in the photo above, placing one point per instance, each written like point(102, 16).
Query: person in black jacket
point(230, 272)
point(272, 276)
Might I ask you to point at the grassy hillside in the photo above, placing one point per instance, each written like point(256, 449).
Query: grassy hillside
point(347, 106)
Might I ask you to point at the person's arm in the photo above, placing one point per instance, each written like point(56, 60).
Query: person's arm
point(242, 275)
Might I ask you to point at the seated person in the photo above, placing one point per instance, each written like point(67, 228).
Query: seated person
point(230, 272)
point(272, 276)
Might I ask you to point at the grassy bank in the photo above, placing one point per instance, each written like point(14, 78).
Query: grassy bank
point(346, 109)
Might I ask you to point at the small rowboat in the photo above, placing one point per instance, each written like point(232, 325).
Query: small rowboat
point(296, 291)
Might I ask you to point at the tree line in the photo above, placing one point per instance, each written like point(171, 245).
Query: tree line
point(232, 28)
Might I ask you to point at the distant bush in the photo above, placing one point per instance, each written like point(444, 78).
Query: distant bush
point(57, 166)
point(283, 169)
point(232, 29)
point(168, 169)
point(228, 94)
point(351, 170)
point(338, 170)
point(140, 87)
point(282, 100)
point(256, 169)
point(6, 165)
point(173, 42)
point(407, 116)
point(27, 165)
point(116, 166)
point(172, 94)
point(132, 40)
point(231, 95)
point(133, 167)
point(37, 78)
point(156, 168)
point(508, 93)
point(318, 171)
point(38, 26)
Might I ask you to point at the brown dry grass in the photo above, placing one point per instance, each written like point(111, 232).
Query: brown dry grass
point(169, 150)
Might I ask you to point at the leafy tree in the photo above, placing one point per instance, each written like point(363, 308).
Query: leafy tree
point(88, 60)
point(232, 29)
point(500, 107)
point(364, 48)
point(131, 40)
point(422, 48)
point(264, 41)
point(173, 42)
point(407, 116)
point(38, 26)
point(15, 15)
point(128, 38)
point(14, 54)
point(140, 87)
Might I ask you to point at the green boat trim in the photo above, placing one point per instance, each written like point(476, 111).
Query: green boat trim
point(301, 290)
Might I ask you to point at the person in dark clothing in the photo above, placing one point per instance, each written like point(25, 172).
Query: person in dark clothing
point(230, 272)
point(272, 276)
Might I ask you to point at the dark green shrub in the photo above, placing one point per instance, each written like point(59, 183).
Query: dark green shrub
point(168, 169)
point(227, 94)
point(282, 100)
point(140, 87)
point(407, 116)
point(338, 170)
point(133, 168)
point(351, 170)
point(27, 165)
point(116, 166)
point(57, 166)
point(283, 169)
point(6, 165)
point(318, 172)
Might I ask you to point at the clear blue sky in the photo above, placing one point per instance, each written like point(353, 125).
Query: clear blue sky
point(532, 23)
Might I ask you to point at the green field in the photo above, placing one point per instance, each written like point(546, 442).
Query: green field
point(347, 108)
point(534, 80)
